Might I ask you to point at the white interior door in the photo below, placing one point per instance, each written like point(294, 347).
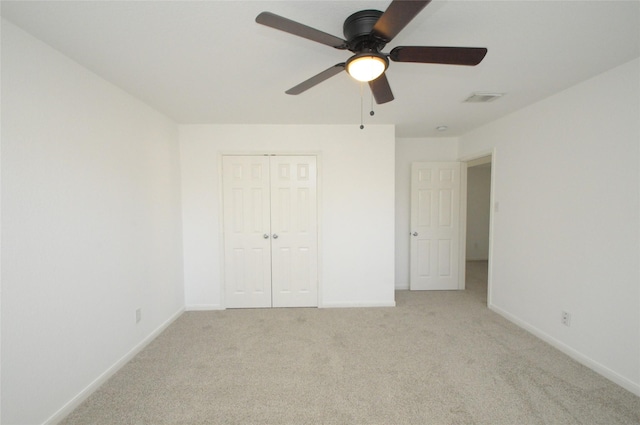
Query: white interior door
point(247, 247)
point(294, 264)
point(270, 231)
point(435, 225)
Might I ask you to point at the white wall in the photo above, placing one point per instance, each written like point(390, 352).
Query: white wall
point(408, 151)
point(356, 209)
point(566, 235)
point(90, 228)
point(478, 209)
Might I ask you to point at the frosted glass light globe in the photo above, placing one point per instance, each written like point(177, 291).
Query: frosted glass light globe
point(366, 67)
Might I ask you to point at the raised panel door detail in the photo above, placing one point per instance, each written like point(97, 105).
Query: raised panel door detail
point(424, 257)
point(281, 218)
point(284, 261)
point(303, 172)
point(302, 213)
point(246, 272)
point(257, 210)
point(284, 171)
point(435, 225)
point(257, 172)
point(446, 175)
point(424, 175)
point(236, 171)
point(304, 270)
point(239, 269)
point(444, 257)
point(238, 205)
point(260, 283)
point(445, 207)
point(424, 207)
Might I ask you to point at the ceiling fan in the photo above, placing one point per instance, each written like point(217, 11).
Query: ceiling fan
point(367, 32)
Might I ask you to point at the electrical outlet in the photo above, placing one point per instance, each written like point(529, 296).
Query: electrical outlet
point(566, 318)
point(138, 315)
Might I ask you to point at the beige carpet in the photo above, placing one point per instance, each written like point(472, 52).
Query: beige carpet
point(436, 358)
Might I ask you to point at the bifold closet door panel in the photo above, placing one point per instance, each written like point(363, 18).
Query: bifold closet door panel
point(247, 241)
point(294, 242)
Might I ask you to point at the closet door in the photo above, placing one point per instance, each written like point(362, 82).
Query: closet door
point(247, 260)
point(294, 243)
point(270, 231)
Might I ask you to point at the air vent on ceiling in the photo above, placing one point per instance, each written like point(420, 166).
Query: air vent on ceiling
point(483, 97)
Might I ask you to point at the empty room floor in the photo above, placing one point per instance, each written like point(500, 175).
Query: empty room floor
point(436, 358)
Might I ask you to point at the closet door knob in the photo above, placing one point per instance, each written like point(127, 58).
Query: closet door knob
point(265, 236)
point(275, 236)
point(415, 233)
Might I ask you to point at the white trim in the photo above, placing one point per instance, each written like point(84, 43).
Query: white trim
point(204, 307)
point(221, 230)
point(492, 193)
point(359, 304)
point(492, 220)
point(93, 386)
point(462, 239)
point(576, 355)
point(319, 215)
point(402, 286)
point(478, 155)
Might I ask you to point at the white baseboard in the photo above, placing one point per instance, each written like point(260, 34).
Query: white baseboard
point(204, 307)
point(576, 355)
point(402, 286)
point(359, 304)
point(93, 386)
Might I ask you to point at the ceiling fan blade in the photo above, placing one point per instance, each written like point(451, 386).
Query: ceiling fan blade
point(381, 90)
point(444, 55)
point(396, 17)
point(316, 79)
point(292, 27)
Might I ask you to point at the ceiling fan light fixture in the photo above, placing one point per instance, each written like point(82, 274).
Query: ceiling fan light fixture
point(367, 66)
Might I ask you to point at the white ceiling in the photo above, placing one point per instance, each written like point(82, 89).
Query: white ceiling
point(209, 62)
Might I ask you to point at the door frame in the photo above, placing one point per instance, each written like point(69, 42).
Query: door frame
point(318, 155)
point(465, 160)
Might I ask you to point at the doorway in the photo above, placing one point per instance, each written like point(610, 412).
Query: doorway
point(478, 224)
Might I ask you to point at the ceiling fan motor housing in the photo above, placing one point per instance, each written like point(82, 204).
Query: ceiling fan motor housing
point(357, 30)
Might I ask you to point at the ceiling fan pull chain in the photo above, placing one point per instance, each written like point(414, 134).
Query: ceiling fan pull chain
point(372, 113)
point(361, 105)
